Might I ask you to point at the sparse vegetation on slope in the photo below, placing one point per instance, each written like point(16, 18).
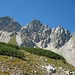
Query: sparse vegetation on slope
point(32, 65)
point(35, 61)
point(13, 40)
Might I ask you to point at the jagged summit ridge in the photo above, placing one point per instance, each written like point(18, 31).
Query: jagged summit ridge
point(39, 32)
point(60, 36)
point(35, 31)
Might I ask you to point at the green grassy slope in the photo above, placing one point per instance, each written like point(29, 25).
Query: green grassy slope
point(13, 40)
point(30, 64)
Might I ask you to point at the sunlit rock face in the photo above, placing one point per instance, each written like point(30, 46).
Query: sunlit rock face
point(59, 36)
point(39, 32)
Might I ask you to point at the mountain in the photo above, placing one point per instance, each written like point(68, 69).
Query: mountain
point(37, 34)
point(35, 31)
point(8, 27)
point(9, 24)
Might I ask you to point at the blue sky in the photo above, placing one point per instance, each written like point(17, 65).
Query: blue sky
point(50, 12)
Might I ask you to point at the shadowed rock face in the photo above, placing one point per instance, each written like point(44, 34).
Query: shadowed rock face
point(9, 24)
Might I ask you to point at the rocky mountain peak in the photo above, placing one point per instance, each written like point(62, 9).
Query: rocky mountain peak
point(6, 19)
point(35, 21)
point(9, 24)
point(59, 36)
point(59, 27)
point(35, 25)
point(38, 32)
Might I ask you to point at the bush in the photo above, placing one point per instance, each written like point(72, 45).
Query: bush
point(11, 50)
point(42, 52)
point(10, 45)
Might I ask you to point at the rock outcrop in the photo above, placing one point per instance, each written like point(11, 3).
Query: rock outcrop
point(39, 32)
point(36, 31)
point(59, 36)
point(4, 37)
